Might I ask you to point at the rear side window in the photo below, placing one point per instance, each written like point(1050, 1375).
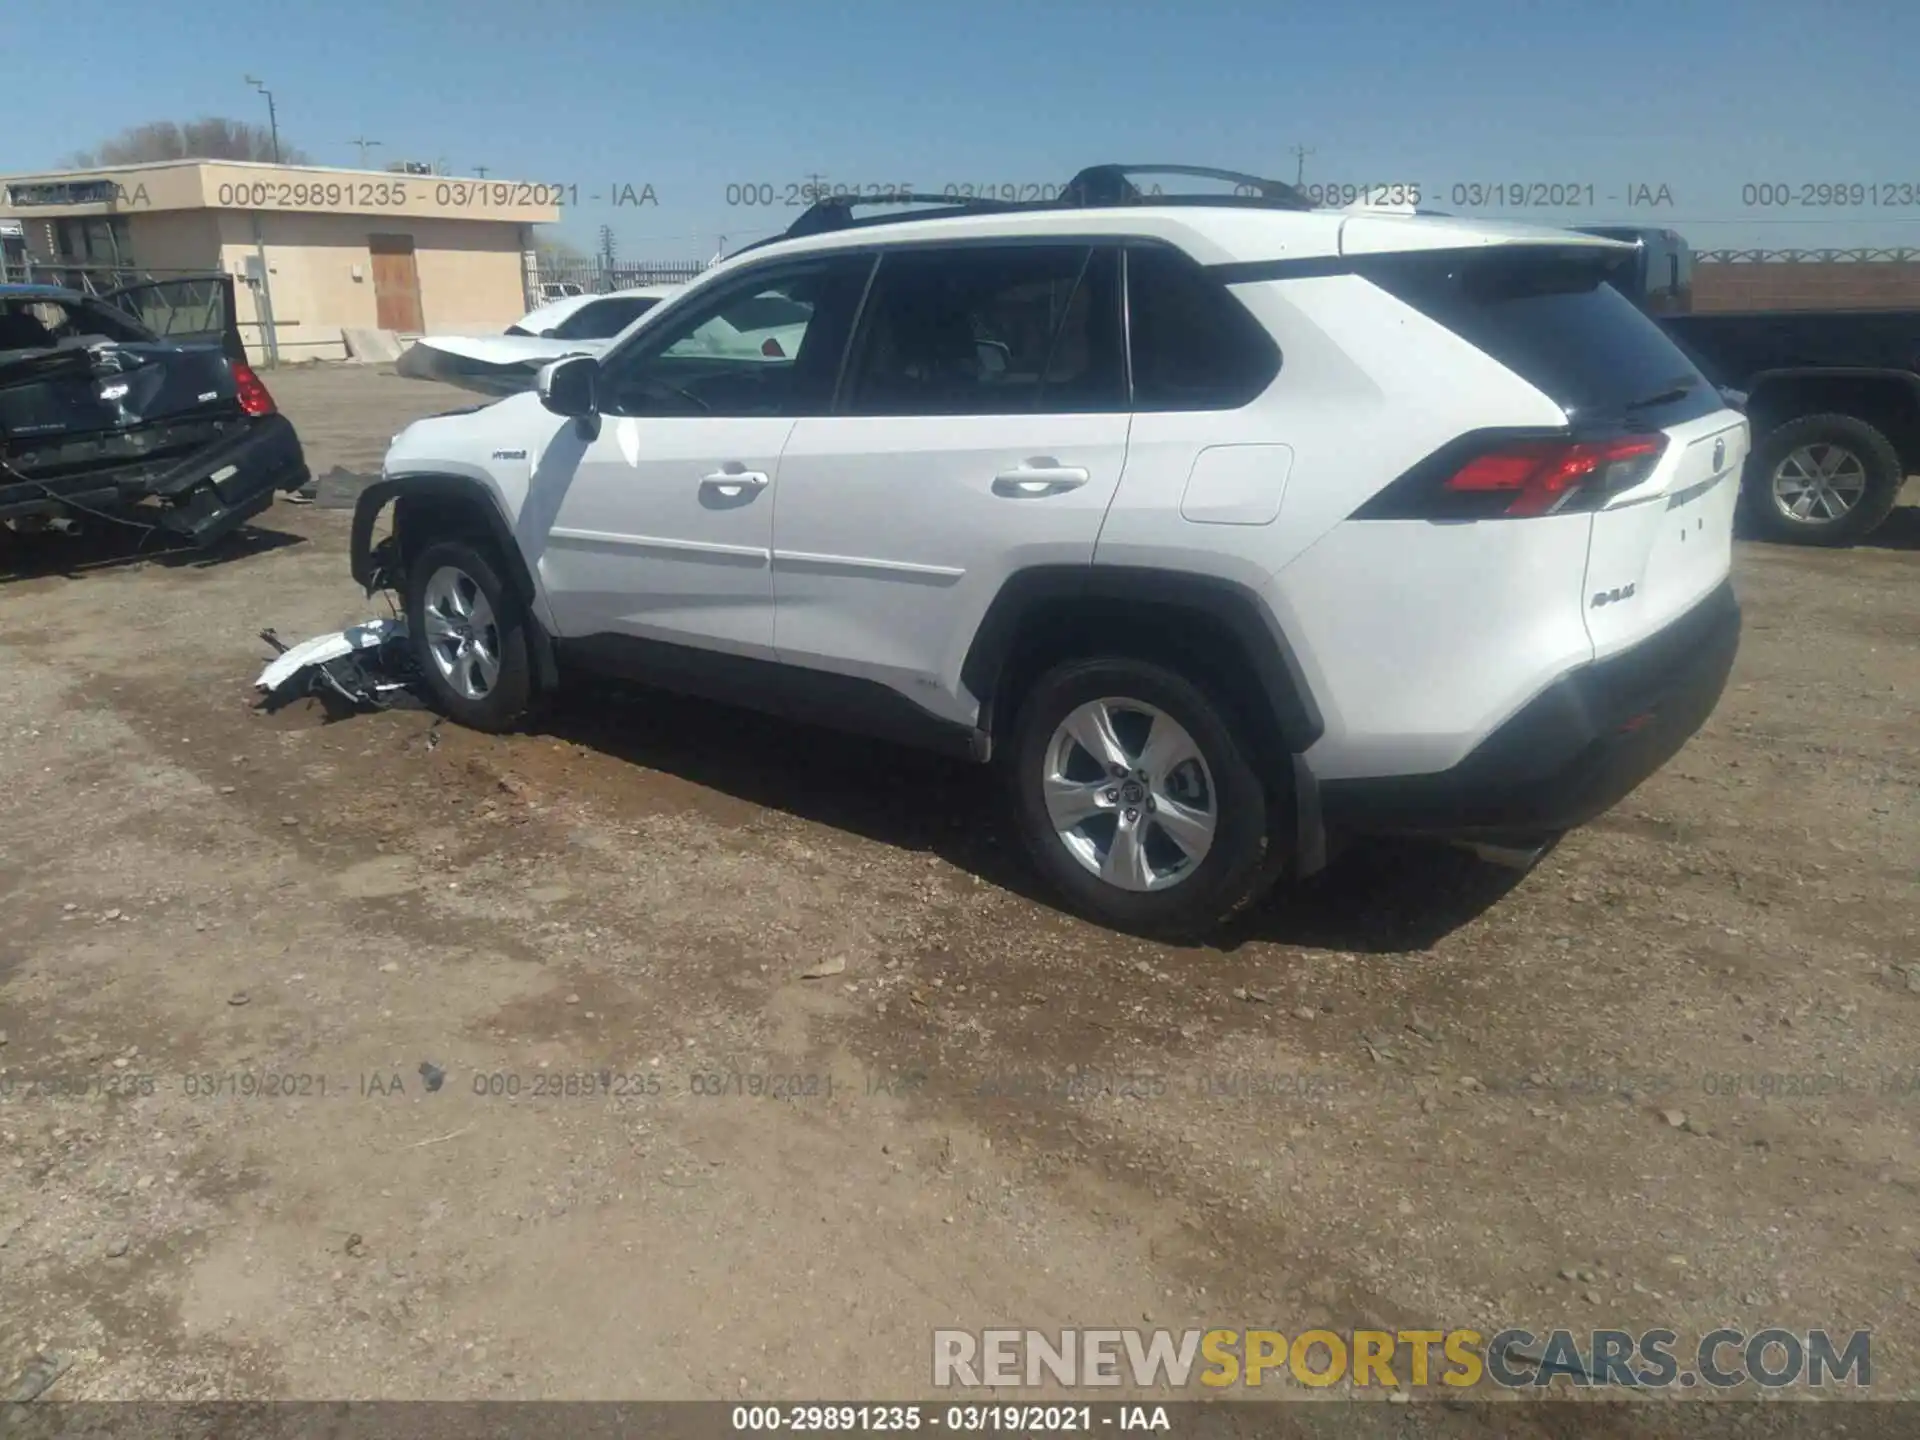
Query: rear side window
point(1194, 346)
point(1550, 316)
point(990, 330)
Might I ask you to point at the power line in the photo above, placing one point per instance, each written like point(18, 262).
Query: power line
point(365, 145)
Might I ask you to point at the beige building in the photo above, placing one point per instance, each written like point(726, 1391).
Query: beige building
point(317, 251)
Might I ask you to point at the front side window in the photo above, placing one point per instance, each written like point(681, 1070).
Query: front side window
point(766, 343)
point(990, 330)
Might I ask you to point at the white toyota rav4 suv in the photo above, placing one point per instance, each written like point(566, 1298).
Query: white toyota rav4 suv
point(1222, 524)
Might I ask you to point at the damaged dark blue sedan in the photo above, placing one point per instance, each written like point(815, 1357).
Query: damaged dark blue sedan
point(137, 407)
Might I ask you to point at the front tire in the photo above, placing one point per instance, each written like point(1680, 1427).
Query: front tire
point(469, 636)
point(1822, 480)
point(1135, 798)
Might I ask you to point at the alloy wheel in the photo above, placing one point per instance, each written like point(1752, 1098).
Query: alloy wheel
point(1129, 794)
point(462, 635)
point(1819, 483)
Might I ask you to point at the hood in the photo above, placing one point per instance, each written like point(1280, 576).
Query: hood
point(488, 364)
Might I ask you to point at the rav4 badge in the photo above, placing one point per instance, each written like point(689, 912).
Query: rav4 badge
point(1613, 596)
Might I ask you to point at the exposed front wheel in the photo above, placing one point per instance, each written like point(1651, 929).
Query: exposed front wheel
point(1135, 798)
point(1822, 480)
point(468, 632)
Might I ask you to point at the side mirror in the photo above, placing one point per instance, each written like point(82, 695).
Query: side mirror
point(567, 386)
point(995, 357)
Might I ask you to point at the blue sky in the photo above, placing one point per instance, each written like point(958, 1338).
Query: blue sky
point(1703, 96)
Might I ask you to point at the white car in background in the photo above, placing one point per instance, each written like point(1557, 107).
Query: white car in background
point(591, 317)
point(507, 364)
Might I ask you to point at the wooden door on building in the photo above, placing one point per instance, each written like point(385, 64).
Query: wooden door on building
point(396, 283)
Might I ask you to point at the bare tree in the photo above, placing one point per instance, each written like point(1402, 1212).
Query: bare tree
point(556, 251)
point(208, 138)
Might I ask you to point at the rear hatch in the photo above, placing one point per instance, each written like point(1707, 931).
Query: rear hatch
point(1650, 450)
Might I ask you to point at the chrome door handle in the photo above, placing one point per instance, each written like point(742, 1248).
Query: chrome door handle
point(732, 484)
point(1031, 481)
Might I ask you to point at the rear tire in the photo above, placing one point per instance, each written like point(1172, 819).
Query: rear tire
point(1820, 465)
point(1164, 832)
point(469, 636)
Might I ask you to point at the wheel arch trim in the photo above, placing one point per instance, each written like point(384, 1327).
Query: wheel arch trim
point(476, 496)
point(1028, 593)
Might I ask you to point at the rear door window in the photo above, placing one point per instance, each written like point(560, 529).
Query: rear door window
point(1550, 316)
point(990, 330)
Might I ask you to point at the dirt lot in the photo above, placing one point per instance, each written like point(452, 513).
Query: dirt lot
point(1680, 1055)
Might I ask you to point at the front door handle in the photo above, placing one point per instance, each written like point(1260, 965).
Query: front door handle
point(1037, 478)
point(732, 484)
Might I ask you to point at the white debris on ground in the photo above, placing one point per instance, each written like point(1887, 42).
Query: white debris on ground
point(366, 665)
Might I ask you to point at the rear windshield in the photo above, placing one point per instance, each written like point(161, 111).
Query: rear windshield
point(604, 319)
point(32, 322)
point(1549, 316)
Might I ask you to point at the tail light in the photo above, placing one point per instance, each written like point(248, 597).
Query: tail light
point(1541, 477)
point(252, 393)
point(1505, 477)
point(771, 349)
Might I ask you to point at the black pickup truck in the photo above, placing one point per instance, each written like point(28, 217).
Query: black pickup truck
point(138, 408)
point(1833, 396)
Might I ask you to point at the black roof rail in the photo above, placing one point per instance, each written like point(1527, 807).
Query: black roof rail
point(1097, 185)
point(836, 213)
point(1113, 185)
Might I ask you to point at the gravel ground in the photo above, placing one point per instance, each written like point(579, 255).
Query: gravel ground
point(1667, 1078)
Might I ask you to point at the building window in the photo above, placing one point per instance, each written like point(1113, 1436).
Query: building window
point(94, 240)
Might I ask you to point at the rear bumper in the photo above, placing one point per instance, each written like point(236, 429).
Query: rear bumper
point(203, 497)
point(1570, 754)
point(213, 492)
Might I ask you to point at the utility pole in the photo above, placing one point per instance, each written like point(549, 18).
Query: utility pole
point(365, 145)
point(481, 171)
point(273, 120)
point(1300, 153)
point(606, 258)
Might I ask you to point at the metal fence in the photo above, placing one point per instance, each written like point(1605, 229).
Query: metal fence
point(594, 278)
point(1902, 256)
point(90, 277)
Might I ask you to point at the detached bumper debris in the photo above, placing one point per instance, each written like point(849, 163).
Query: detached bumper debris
point(364, 667)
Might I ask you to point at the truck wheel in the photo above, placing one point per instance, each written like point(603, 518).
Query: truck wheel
point(469, 636)
point(1135, 799)
point(1822, 480)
